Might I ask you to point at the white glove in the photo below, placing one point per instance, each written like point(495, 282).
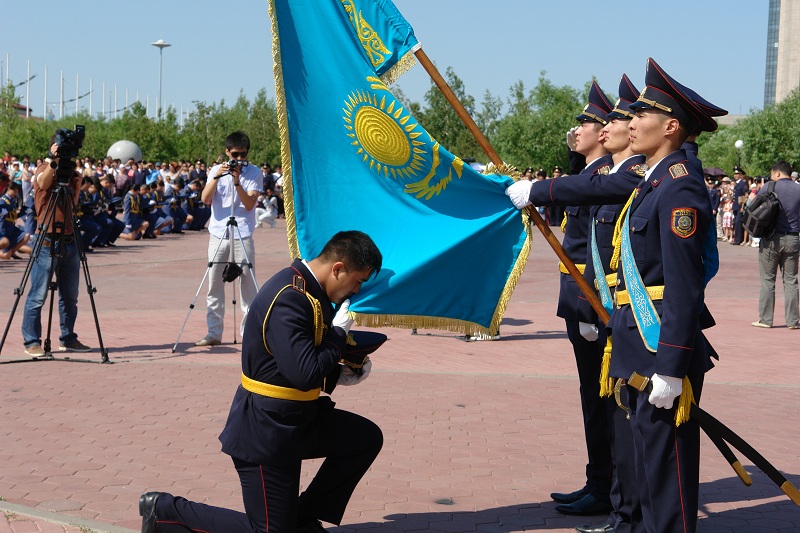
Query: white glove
point(152, 202)
point(665, 390)
point(347, 377)
point(588, 331)
point(342, 318)
point(520, 193)
point(571, 138)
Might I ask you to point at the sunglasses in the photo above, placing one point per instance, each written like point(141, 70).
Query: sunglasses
point(237, 155)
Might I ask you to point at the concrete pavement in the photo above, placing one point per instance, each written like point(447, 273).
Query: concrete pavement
point(476, 434)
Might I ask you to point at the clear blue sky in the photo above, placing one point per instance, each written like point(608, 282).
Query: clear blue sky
point(220, 49)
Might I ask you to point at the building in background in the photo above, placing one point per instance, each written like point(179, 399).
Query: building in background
point(783, 51)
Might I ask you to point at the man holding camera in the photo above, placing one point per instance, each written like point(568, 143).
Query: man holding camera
point(232, 191)
point(59, 245)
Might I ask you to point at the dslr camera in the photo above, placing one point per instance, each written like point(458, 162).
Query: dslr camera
point(233, 163)
point(69, 142)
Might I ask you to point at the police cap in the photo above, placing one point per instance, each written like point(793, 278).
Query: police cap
point(666, 94)
point(627, 95)
point(598, 108)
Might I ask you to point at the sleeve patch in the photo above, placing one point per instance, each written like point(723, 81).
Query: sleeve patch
point(684, 222)
point(605, 169)
point(678, 170)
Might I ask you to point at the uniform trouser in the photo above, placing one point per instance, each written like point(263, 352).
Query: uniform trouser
point(588, 357)
point(738, 229)
point(349, 443)
point(89, 231)
point(626, 516)
point(216, 286)
point(667, 463)
point(778, 251)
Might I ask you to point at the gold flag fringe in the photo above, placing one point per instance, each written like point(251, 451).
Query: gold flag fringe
point(283, 129)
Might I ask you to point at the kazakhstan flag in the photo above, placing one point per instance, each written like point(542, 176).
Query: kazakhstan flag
point(353, 157)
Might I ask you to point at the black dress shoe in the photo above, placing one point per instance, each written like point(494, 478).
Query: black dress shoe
point(147, 510)
point(570, 497)
point(605, 527)
point(589, 505)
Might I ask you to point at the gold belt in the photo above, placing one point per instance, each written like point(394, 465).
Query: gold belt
point(611, 280)
point(656, 292)
point(563, 269)
point(276, 391)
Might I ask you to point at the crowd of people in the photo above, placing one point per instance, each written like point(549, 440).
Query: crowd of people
point(130, 200)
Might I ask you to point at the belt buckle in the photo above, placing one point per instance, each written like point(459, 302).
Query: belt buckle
point(638, 381)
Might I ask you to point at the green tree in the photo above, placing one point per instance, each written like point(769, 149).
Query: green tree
point(441, 121)
point(532, 133)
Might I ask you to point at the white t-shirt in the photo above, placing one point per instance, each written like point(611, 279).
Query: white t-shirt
point(250, 180)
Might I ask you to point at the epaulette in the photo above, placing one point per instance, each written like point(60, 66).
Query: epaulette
point(299, 284)
point(678, 170)
point(605, 169)
point(640, 169)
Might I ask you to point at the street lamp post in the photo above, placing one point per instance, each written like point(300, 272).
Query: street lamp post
point(160, 44)
point(739, 144)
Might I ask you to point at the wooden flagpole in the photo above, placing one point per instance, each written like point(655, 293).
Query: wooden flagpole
point(462, 113)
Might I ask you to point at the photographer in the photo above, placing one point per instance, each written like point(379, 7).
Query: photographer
point(58, 245)
point(232, 190)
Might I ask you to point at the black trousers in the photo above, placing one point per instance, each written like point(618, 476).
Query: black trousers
point(667, 463)
point(349, 445)
point(596, 412)
point(626, 516)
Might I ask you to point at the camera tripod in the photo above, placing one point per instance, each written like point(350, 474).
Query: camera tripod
point(232, 269)
point(52, 234)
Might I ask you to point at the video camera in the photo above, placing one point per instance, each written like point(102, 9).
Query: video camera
point(233, 163)
point(69, 142)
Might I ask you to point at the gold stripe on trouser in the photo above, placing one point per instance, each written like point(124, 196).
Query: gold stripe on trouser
point(656, 292)
point(276, 391)
point(563, 268)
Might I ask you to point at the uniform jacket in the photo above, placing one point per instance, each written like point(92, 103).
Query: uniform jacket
point(279, 349)
point(572, 305)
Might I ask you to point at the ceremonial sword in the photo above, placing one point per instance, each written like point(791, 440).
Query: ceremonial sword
point(721, 435)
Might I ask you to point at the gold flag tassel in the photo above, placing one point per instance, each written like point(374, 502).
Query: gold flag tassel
point(564, 223)
point(606, 382)
point(682, 413)
point(616, 241)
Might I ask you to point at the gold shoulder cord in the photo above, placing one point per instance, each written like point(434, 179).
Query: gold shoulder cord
point(319, 326)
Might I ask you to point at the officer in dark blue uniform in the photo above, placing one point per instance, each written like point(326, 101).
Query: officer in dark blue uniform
point(579, 317)
point(659, 352)
point(740, 191)
point(292, 347)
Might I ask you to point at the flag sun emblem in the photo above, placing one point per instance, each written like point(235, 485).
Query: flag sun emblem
point(383, 133)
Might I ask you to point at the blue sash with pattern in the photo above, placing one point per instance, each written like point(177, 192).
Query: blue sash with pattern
point(644, 312)
point(599, 274)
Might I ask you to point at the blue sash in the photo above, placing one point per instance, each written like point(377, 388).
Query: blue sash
point(599, 274)
point(644, 312)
